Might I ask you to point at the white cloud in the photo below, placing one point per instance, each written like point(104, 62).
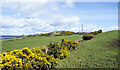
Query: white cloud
point(36, 22)
point(10, 5)
point(38, 25)
point(32, 9)
point(90, 27)
point(11, 22)
point(64, 21)
point(69, 3)
point(29, 8)
point(113, 28)
point(16, 15)
point(35, 25)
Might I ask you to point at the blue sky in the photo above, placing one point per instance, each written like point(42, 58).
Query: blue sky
point(40, 17)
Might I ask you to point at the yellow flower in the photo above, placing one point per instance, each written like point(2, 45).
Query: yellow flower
point(43, 47)
point(5, 64)
point(2, 66)
point(62, 54)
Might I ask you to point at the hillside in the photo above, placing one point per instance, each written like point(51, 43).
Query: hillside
point(58, 33)
point(34, 41)
point(99, 52)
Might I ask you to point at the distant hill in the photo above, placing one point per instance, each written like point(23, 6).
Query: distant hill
point(8, 36)
point(55, 33)
point(59, 33)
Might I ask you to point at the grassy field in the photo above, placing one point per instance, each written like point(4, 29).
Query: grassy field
point(99, 52)
point(35, 41)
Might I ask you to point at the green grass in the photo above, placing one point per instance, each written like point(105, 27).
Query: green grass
point(34, 41)
point(99, 52)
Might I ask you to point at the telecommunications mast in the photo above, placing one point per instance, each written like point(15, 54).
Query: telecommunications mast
point(82, 28)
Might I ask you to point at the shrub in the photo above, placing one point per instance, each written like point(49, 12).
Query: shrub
point(100, 31)
point(95, 32)
point(69, 44)
point(27, 59)
point(9, 61)
point(36, 58)
point(65, 33)
point(61, 50)
point(88, 36)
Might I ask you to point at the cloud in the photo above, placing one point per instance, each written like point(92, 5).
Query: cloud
point(11, 22)
point(38, 17)
point(90, 27)
point(64, 21)
point(32, 9)
point(69, 3)
point(113, 28)
point(38, 25)
point(35, 25)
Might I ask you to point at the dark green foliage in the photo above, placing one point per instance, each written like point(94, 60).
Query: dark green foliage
point(71, 45)
point(61, 50)
point(95, 33)
point(88, 36)
point(65, 33)
point(61, 33)
point(100, 31)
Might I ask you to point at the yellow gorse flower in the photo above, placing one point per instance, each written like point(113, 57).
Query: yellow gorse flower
point(36, 58)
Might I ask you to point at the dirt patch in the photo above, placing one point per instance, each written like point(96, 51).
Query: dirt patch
point(79, 40)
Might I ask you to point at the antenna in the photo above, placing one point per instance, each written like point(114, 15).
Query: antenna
point(82, 28)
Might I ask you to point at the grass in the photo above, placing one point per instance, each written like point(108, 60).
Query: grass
point(34, 41)
point(99, 52)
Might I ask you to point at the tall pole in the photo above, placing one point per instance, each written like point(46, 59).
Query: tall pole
point(82, 28)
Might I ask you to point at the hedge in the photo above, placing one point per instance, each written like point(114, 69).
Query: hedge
point(91, 35)
point(36, 58)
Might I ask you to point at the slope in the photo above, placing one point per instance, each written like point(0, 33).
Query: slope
point(99, 52)
point(34, 41)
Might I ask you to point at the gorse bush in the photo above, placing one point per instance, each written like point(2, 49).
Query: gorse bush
point(71, 45)
point(100, 31)
point(89, 36)
point(61, 50)
point(65, 33)
point(26, 59)
point(61, 33)
point(57, 50)
point(94, 33)
point(36, 58)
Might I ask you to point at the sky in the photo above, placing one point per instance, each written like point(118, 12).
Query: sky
point(18, 18)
